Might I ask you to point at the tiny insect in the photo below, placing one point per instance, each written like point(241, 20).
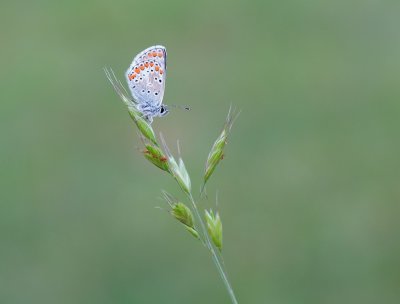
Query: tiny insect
point(146, 80)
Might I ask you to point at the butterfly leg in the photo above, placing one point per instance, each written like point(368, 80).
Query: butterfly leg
point(149, 118)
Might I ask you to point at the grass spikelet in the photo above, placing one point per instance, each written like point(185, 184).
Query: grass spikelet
point(154, 155)
point(177, 169)
point(182, 213)
point(214, 227)
point(217, 150)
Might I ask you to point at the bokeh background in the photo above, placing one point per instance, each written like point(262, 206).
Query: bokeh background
point(309, 188)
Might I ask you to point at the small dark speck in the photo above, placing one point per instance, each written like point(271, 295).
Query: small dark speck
point(155, 93)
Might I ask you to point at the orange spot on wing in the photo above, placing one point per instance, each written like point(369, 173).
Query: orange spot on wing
point(137, 70)
point(146, 64)
point(154, 54)
point(141, 67)
point(157, 68)
point(160, 55)
point(131, 76)
point(151, 64)
point(161, 71)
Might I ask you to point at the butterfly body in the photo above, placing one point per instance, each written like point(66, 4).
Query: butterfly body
point(146, 80)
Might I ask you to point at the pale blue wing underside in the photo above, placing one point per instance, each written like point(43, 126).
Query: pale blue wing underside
point(146, 77)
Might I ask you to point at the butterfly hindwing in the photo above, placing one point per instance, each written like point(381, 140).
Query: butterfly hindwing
point(146, 76)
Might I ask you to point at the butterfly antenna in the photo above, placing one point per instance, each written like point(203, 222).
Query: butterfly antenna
point(180, 107)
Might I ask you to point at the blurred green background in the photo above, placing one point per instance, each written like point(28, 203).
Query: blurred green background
point(309, 188)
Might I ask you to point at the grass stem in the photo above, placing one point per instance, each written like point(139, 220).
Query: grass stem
point(218, 263)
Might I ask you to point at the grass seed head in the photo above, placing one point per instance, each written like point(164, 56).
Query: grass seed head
point(214, 228)
point(143, 126)
point(217, 151)
point(154, 155)
point(177, 169)
point(182, 213)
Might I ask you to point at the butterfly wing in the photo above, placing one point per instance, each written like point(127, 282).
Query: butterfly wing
point(146, 76)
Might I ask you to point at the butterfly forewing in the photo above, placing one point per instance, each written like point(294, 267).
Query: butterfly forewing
point(146, 76)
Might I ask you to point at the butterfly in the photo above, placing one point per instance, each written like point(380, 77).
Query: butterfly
point(146, 80)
